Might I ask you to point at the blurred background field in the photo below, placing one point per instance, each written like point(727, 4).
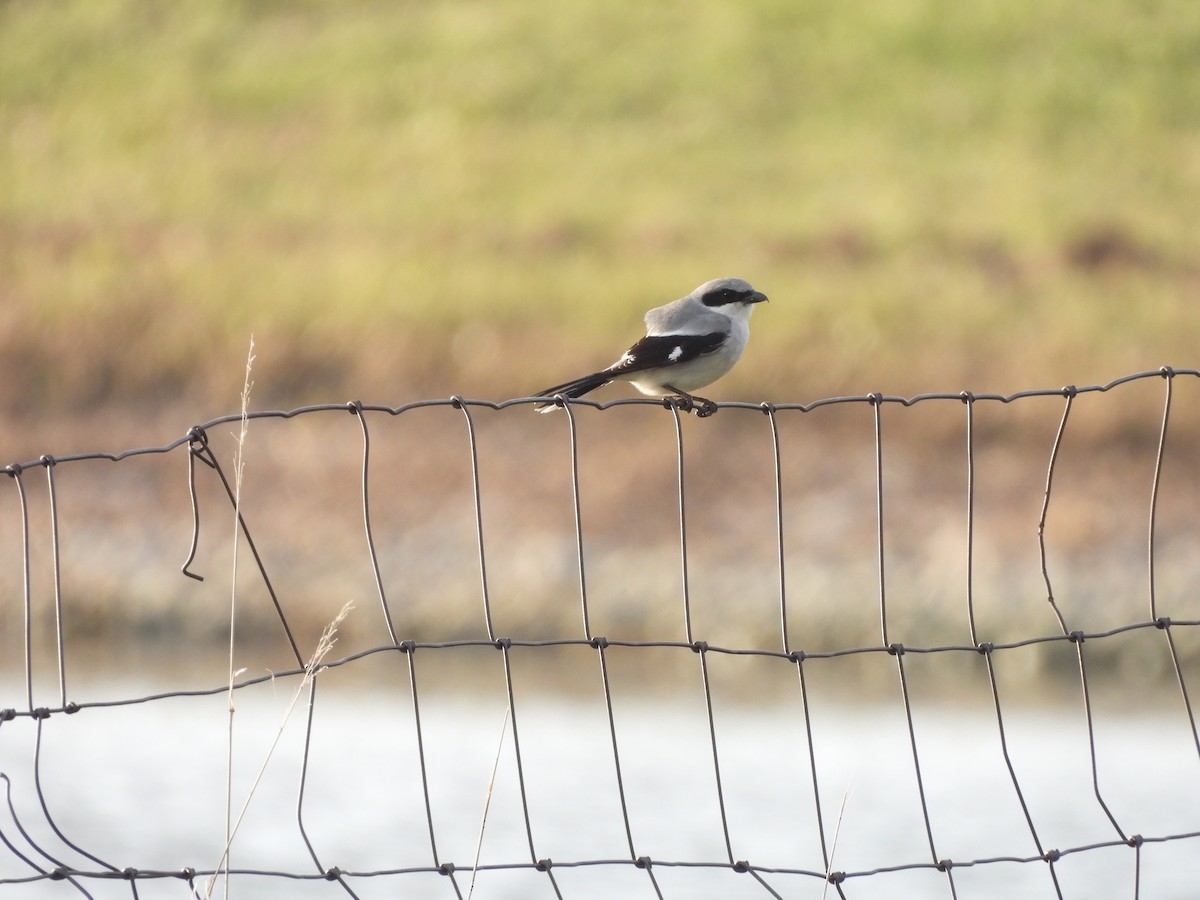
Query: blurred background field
point(423, 199)
point(415, 199)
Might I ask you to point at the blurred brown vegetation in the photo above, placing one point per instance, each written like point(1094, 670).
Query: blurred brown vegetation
point(417, 200)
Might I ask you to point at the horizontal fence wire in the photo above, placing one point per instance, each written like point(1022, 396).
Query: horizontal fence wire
point(39, 851)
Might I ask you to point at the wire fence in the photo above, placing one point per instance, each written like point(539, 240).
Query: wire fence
point(614, 753)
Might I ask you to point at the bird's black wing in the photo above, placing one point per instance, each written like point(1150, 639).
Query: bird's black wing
point(651, 352)
point(659, 350)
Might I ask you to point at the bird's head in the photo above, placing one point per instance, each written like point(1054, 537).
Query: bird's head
point(731, 296)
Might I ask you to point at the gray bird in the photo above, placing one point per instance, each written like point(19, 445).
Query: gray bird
point(689, 343)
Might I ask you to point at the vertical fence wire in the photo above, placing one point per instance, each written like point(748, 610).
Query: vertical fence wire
point(876, 401)
point(1168, 377)
point(577, 510)
point(780, 549)
point(601, 646)
point(41, 718)
point(27, 589)
point(356, 408)
point(986, 651)
point(544, 865)
point(685, 581)
point(701, 649)
point(831, 877)
point(56, 557)
point(410, 654)
point(1069, 393)
point(1163, 622)
point(332, 873)
point(969, 403)
point(1078, 639)
point(897, 651)
point(477, 497)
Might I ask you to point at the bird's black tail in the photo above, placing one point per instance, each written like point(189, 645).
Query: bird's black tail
point(573, 389)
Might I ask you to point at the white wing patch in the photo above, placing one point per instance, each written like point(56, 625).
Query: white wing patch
point(674, 355)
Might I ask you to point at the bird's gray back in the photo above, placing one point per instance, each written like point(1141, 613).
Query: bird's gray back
point(687, 315)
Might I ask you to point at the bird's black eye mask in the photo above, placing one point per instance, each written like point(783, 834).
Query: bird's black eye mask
point(723, 296)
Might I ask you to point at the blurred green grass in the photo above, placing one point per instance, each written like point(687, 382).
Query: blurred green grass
point(461, 197)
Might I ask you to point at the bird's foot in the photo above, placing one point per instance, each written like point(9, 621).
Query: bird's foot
point(701, 406)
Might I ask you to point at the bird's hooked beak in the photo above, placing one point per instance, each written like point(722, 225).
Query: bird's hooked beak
point(757, 297)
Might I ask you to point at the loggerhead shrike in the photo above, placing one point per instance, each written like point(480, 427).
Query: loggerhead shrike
point(689, 343)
